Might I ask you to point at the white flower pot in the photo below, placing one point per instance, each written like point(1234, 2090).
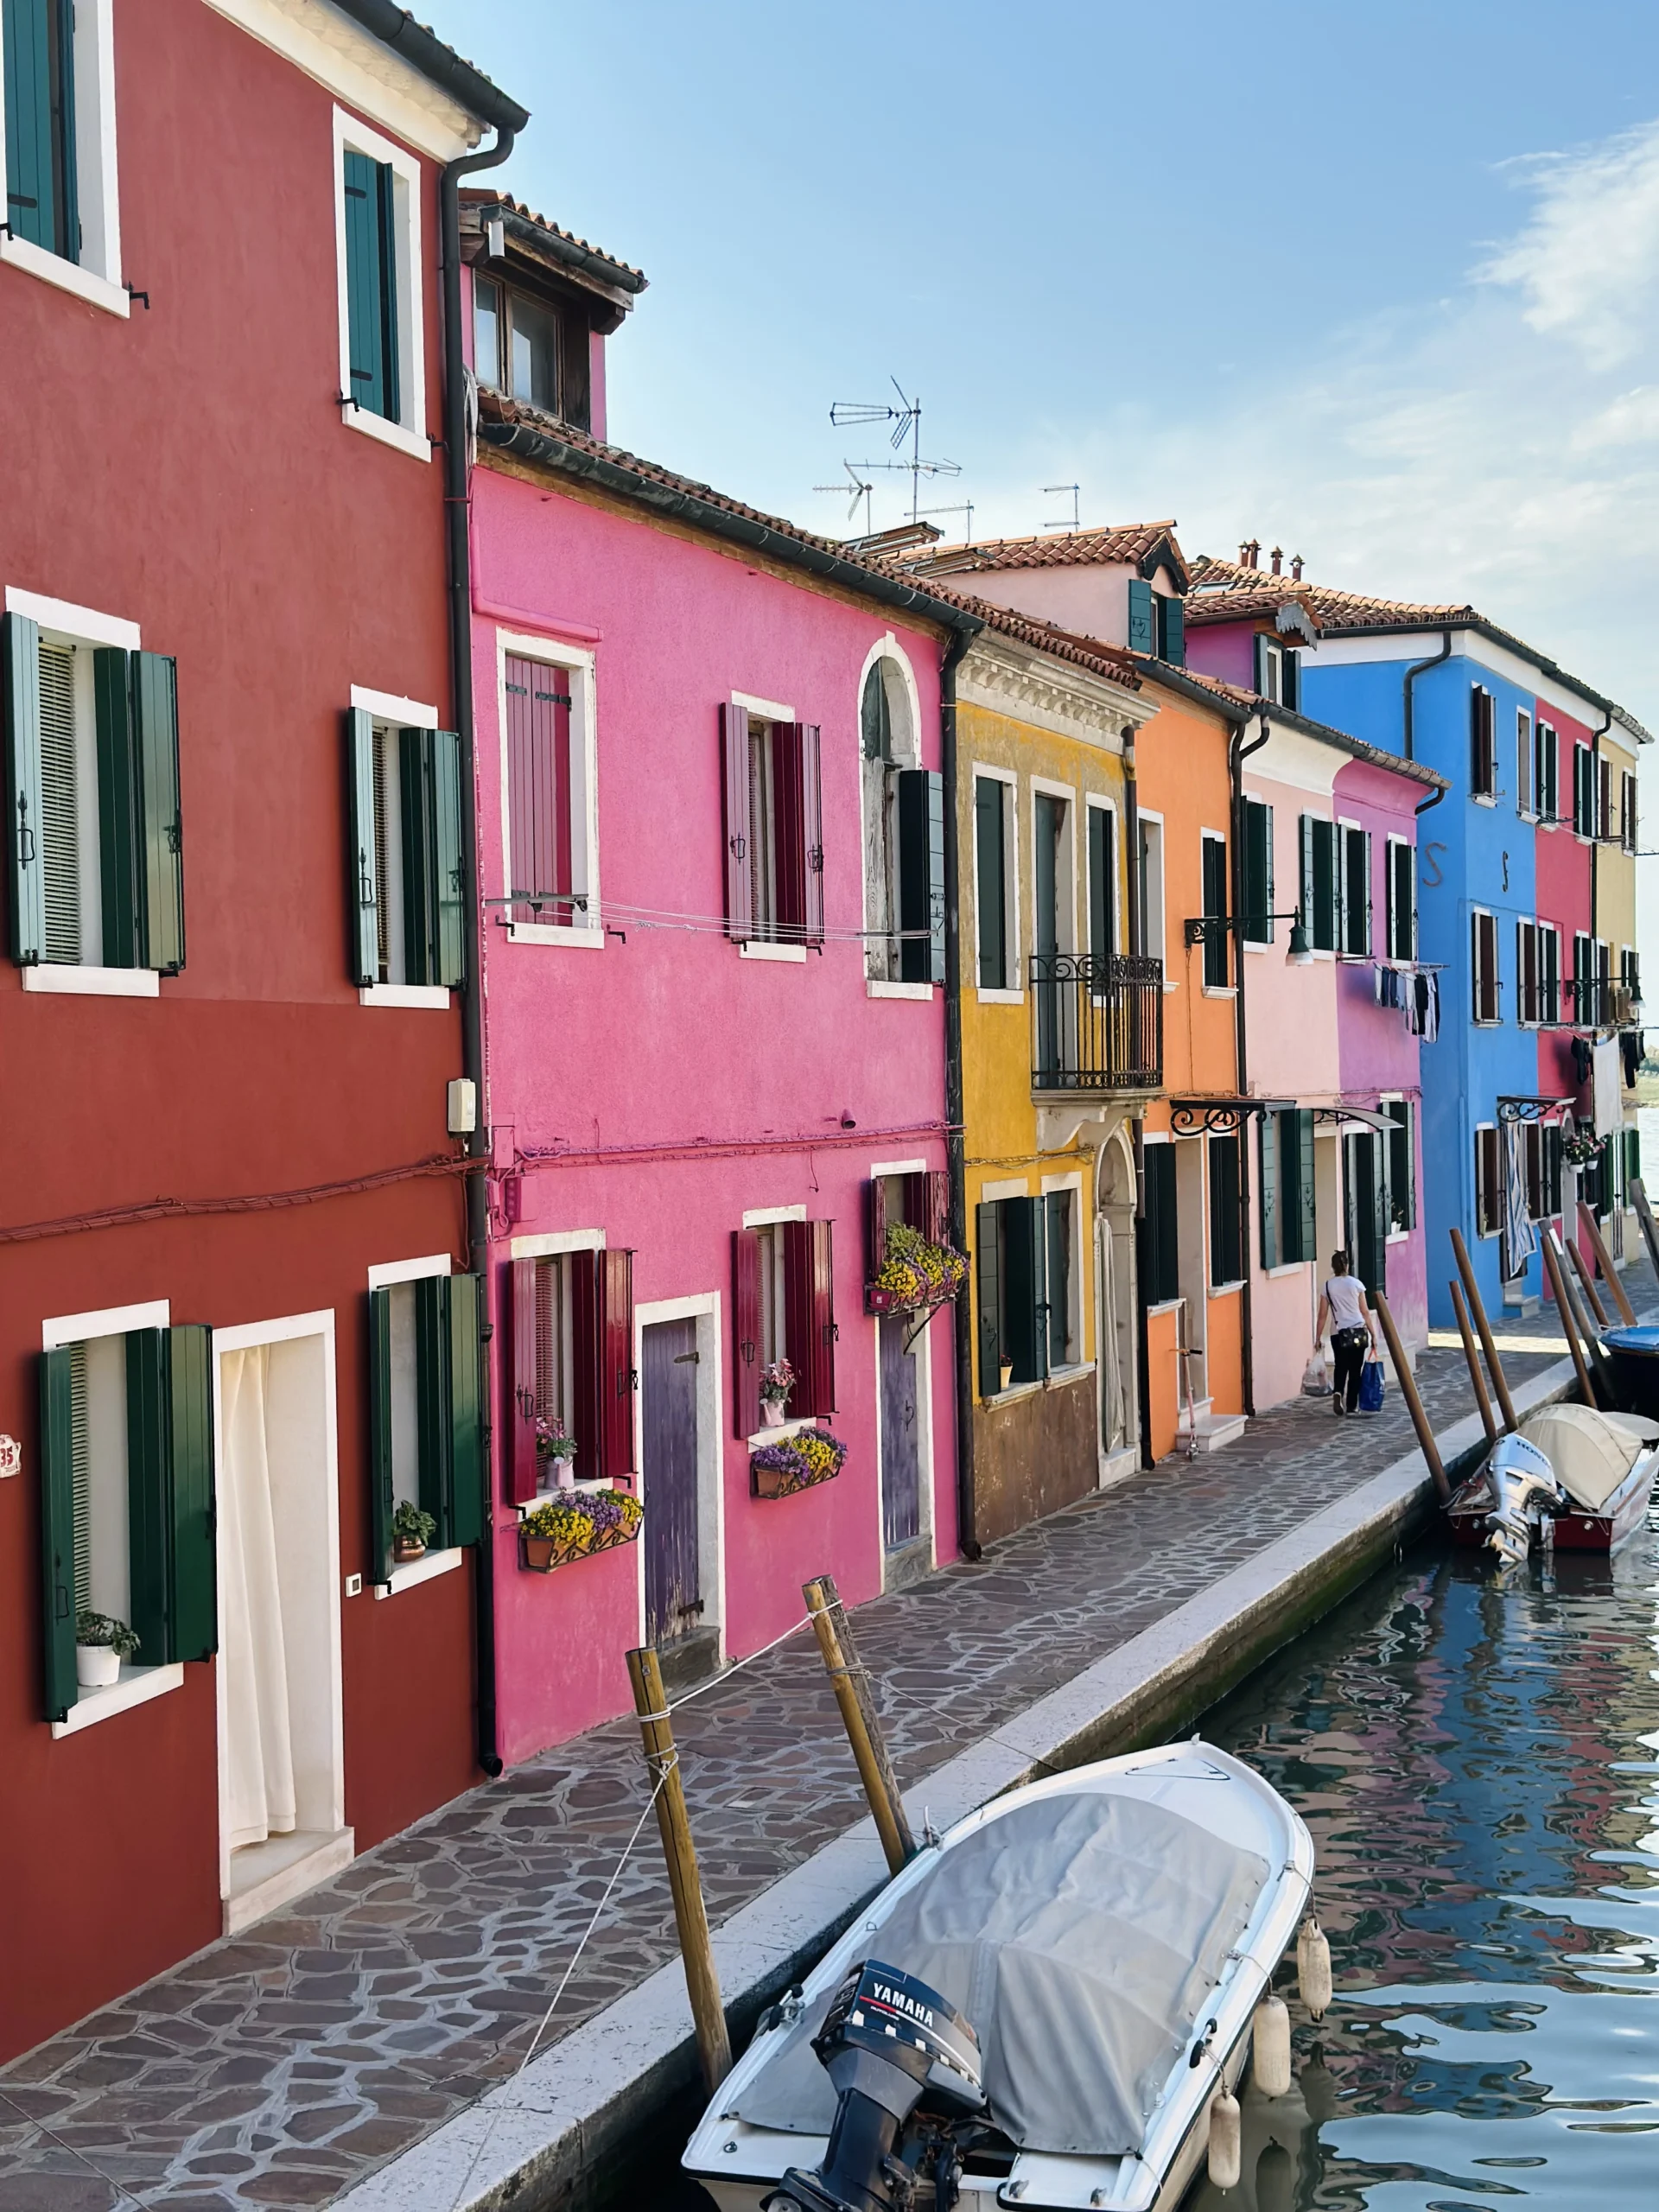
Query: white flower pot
point(97, 1665)
point(774, 1412)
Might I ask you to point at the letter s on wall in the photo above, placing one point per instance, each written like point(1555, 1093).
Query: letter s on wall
point(1432, 882)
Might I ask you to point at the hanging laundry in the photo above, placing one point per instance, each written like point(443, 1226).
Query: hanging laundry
point(1518, 1236)
point(1581, 1062)
point(1630, 1044)
point(1605, 1061)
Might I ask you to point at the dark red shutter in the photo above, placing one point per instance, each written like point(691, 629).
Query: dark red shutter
point(875, 1226)
point(615, 1273)
point(746, 1332)
point(521, 1465)
point(587, 1404)
point(809, 755)
point(538, 788)
point(937, 1225)
point(798, 799)
point(823, 1318)
point(734, 790)
point(810, 1315)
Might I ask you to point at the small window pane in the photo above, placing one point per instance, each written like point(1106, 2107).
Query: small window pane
point(487, 333)
point(535, 356)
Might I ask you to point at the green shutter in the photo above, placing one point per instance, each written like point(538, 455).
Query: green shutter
point(987, 1260)
point(1025, 1288)
point(1143, 634)
point(1056, 1232)
point(148, 1515)
point(1103, 888)
point(1307, 1228)
point(57, 1535)
point(1290, 679)
point(1323, 917)
point(1258, 872)
point(465, 1410)
point(419, 842)
point(193, 1522)
point(160, 820)
point(1172, 631)
point(1157, 1253)
point(41, 198)
point(921, 875)
point(362, 873)
point(370, 282)
point(1214, 888)
point(992, 886)
point(450, 935)
point(20, 667)
point(117, 807)
point(1224, 1263)
point(380, 1488)
point(1267, 1157)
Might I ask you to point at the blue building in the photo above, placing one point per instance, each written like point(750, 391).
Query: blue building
point(1525, 968)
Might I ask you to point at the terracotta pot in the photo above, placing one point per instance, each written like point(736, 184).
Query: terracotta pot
point(774, 1412)
point(97, 1665)
point(1005, 1374)
point(405, 1553)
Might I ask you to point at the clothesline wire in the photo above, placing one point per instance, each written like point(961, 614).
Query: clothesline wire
point(123, 2195)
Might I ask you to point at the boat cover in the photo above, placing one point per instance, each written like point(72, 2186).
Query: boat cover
point(1589, 1452)
point(1081, 1934)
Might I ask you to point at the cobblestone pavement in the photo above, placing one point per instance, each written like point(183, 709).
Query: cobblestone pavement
point(278, 2067)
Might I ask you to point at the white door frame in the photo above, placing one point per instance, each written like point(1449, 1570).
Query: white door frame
point(294, 1328)
point(922, 1353)
point(703, 1308)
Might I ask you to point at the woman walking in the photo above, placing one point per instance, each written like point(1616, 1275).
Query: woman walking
point(1342, 1305)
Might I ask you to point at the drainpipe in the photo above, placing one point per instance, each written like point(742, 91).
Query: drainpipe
point(1137, 948)
point(1412, 674)
point(1237, 753)
point(1596, 737)
point(955, 1146)
point(456, 511)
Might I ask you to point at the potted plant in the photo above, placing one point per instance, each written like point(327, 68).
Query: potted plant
point(914, 1272)
point(101, 1643)
point(1004, 1372)
point(574, 1524)
point(411, 1532)
point(796, 1463)
point(555, 1451)
point(777, 1381)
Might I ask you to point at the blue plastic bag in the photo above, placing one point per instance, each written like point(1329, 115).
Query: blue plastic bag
point(1370, 1387)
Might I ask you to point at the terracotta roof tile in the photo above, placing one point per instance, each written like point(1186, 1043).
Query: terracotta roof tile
point(1070, 549)
point(1241, 605)
point(629, 279)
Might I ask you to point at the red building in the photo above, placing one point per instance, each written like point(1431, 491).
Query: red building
point(237, 1326)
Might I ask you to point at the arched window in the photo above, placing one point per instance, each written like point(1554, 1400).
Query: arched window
point(901, 805)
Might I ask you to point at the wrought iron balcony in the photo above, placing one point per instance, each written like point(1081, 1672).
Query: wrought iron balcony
point(1097, 1026)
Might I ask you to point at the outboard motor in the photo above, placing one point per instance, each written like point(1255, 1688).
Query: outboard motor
point(1524, 1492)
point(905, 2065)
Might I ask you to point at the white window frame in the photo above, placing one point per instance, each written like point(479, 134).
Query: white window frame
point(1074, 1332)
point(1154, 932)
point(1542, 730)
point(1390, 843)
point(1099, 802)
point(1477, 915)
point(136, 1685)
point(767, 948)
point(907, 753)
point(1526, 756)
point(1497, 1195)
point(1229, 939)
point(1065, 888)
point(96, 276)
point(1344, 823)
point(386, 1277)
point(1273, 671)
point(1385, 1098)
point(399, 713)
point(579, 665)
point(1523, 1019)
point(1546, 1018)
point(408, 433)
point(983, 771)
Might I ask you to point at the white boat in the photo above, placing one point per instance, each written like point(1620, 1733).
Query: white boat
point(1094, 1947)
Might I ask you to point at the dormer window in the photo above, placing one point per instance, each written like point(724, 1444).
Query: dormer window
point(517, 345)
point(1278, 672)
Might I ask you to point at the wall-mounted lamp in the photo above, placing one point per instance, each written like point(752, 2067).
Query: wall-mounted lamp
point(1206, 929)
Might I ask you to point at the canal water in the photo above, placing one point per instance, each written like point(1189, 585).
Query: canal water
point(1478, 1763)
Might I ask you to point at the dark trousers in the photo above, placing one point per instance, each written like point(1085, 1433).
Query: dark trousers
point(1348, 1346)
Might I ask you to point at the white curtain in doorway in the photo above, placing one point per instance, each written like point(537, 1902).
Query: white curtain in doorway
point(253, 1666)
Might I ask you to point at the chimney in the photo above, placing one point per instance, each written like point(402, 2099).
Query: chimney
point(1249, 552)
point(1296, 568)
point(1277, 557)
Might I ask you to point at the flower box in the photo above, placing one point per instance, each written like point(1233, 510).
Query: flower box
point(800, 1462)
point(914, 1273)
point(575, 1525)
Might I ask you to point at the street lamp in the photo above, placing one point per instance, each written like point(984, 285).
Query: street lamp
point(1204, 929)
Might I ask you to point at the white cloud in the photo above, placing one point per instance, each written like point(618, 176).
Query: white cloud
point(1587, 262)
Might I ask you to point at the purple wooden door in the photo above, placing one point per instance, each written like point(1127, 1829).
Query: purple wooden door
point(901, 1482)
point(668, 1378)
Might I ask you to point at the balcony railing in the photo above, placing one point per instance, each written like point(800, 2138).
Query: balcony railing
point(1095, 1024)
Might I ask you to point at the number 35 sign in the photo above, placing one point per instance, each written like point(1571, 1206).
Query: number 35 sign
point(12, 1456)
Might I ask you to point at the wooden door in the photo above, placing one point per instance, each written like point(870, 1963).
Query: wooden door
point(668, 1376)
point(901, 1484)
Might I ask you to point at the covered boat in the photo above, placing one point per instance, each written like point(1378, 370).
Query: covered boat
point(1576, 1478)
point(1089, 1951)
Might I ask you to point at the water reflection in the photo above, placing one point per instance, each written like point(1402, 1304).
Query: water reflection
point(1477, 1765)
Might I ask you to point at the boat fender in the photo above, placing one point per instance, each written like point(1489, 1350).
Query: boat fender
point(1313, 1968)
point(1270, 2046)
point(1226, 2151)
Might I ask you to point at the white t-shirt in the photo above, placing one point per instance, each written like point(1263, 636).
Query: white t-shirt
point(1344, 1293)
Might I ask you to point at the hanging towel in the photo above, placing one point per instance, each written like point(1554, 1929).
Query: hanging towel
point(1581, 1061)
point(1605, 1093)
point(1518, 1238)
point(1629, 1044)
point(1428, 1007)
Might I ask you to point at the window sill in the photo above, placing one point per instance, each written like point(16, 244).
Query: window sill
point(783, 1429)
point(1221, 990)
point(877, 990)
point(1164, 1306)
point(1170, 982)
point(1079, 1371)
point(433, 997)
point(415, 443)
point(1225, 1289)
point(555, 933)
point(1014, 1392)
point(1001, 998)
point(1404, 1236)
point(75, 982)
point(1483, 798)
point(137, 1686)
point(762, 948)
point(1285, 1268)
point(420, 1570)
point(67, 275)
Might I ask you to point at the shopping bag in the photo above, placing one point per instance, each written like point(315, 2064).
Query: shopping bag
point(1371, 1385)
point(1316, 1377)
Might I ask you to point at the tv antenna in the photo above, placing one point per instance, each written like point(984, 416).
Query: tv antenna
point(965, 508)
point(1076, 490)
point(907, 420)
point(860, 488)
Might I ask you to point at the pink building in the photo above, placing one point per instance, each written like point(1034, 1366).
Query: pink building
point(711, 827)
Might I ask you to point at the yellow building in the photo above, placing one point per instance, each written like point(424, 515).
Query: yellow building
point(1613, 863)
point(1061, 1038)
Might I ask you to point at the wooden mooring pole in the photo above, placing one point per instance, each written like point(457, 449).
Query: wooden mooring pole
point(1644, 1215)
point(1605, 1392)
point(859, 1717)
point(1408, 1382)
point(1604, 1262)
point(1587, 1283)
point(1558, 1284)
point(663, 1761)
point(1506, 1407)
point(1481, 1398)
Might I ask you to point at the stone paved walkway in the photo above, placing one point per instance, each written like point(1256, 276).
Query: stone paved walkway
point(276, 2067)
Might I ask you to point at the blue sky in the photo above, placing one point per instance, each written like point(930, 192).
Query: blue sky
point(1380, 285)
